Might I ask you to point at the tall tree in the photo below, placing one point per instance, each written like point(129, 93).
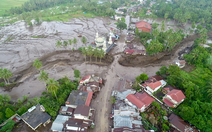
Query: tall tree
point(121, 26)
point(37, 64)
point(90, 51)
point(84, 40)
point(84, 52)
point(52, 86)
point(44, 76)
point(154, 47)
point(155, 33)
point(163, 26)
point(96, 53)
point(6, 75)
point(101, 54)
point(166, 15)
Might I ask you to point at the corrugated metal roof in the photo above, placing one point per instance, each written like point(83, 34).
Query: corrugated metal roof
point(122, 121)
point(123, 95)
point(57, 125)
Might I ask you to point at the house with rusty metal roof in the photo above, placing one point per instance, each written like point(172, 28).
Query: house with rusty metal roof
point(76, 125)
point(180, 125)
point(79, 98)
point(36, 116)
point(82, 114)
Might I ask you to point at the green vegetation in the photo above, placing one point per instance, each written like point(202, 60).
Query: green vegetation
point(52, 86)
point(59, 44)
point(121, 26)
point(44, 76)
point(112, 100)
point(161, 41)
point(7, 4)
point(76, 73)
point(37, 64)
point(84, 40)
point(38, 36)
point(141, 77)
point(9, 107)
point(196, 85)
point(92, 52)
point(8, 126)
point(52, 104)
point(5, 75)
point(197, 11)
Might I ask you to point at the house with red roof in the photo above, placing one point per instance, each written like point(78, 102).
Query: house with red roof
point(174, 98)
point(143, 26)
point(140, 101)
point(153, 86)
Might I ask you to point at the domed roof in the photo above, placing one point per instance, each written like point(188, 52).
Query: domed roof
point(100, 40)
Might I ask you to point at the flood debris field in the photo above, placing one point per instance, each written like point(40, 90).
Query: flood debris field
point(20, 45)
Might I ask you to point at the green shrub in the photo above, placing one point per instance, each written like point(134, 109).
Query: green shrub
point(165, 127)
point(9, 112)
point(8, 126)
point(2, 84)
point(80, 49)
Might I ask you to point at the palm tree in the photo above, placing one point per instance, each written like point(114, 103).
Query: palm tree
point(84, 40)
point(43, 76)
point(58, 44)
point(84, 52)
point(101, 54)
point(75, 42)
point(155, 33)
point(37, 64)
point(166, 15)
point(70, 42)
point(6, 75)
point(90, 51)
point(96, 53)
point(52, 86)
point(65, 44)
point(195, 53)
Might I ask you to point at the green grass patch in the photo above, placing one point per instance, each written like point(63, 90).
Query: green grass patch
point(7, 4)
point(40, 36)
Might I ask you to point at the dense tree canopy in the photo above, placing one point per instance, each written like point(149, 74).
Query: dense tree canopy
point(197, 11)
point(196, 85)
